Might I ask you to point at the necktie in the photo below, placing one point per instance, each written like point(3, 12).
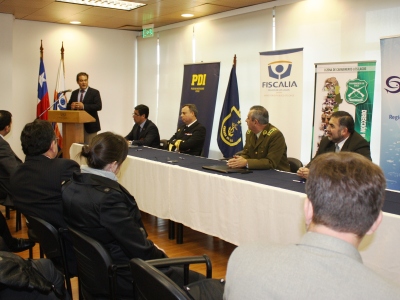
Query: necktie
point(138, 133)
point(81, 98)
point(337, 148)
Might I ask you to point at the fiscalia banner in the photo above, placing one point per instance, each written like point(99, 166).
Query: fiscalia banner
point(281, 92)
point(347, 86)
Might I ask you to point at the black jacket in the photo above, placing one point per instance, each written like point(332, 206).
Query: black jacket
point(104, 210)
point(355, 143)
point(92, 104)
point(19, 274)
point(149, 135)
point(192, 138)
point(9, 162)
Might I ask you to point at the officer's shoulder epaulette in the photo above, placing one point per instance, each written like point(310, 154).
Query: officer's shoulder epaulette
point(271, 131)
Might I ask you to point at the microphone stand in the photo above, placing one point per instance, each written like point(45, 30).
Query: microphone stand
point(55, 102)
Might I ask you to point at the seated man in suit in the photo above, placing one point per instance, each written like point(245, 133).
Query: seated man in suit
point(341, 207)
point(265, 146)
point(340, 137)
point(8, 159)
point(144, 132)
point(87, 99)
point(189, 138)
point(36, 184)
point(8, 163)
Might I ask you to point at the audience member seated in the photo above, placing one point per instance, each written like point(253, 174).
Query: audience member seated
point(96, 205)
point(32, 279)
point(8, 159)
point(144, 132)
point(189, 138)
point(340, 137)
point(36, 184)
point(265, 146)
point(340, 209)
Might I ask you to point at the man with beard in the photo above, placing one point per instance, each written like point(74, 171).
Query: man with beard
point(340, 137)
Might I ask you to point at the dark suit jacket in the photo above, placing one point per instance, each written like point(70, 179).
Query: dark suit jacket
point(36, 187)
point(149, 135)
point(8, 164)
point(36, 190)
point(192, 138)
point(92, 104)
point(355, 143)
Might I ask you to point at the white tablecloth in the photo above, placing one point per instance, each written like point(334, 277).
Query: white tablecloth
point(239, 211)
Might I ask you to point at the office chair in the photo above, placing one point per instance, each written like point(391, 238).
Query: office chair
point(96, 271)
point(52, 244)
point(164, 144)
point(295, 164)
point(151, 284)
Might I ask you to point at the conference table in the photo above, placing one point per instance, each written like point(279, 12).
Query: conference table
point(265, 205)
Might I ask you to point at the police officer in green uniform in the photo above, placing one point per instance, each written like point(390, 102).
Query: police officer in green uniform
point(265, 146)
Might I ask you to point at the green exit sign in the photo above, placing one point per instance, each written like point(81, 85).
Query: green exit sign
point(148, 32)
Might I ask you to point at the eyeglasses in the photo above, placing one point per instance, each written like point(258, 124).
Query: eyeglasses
point(135, 115)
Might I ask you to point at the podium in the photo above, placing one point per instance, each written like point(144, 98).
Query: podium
point(72, 129)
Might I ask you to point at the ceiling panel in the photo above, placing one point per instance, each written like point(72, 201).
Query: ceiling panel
point(157, 12)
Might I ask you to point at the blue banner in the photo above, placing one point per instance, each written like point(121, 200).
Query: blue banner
point(230, 125)
point(390, 114)
point(200, 87)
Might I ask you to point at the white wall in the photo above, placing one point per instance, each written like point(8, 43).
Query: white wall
point(106, 55)
point(329, 31)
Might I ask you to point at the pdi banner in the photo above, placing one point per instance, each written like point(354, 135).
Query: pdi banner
point(281, 91)
point(346, 86)
point(200, 87)
point(390, 113)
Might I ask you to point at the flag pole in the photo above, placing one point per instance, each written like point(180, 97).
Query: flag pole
point(234, 60)
point(41, 49)
point(62, 57)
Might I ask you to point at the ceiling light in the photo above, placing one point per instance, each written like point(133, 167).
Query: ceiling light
point(75, 22)
point(187, 15)
point(115, 4)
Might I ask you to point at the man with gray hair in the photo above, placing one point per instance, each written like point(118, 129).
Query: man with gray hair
point(265, 146)
point(342, 206)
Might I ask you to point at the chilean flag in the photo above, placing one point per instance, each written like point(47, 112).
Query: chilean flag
point(43, 95)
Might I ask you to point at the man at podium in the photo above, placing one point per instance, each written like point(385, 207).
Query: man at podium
point(88, 99)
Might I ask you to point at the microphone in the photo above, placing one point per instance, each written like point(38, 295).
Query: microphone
point(66, 91)
point(55, 102)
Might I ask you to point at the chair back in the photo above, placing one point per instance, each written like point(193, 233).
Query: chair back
point(51, 243)
point(151, 284)
point(96, 271)
point(295, 164)
point(164, 144)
